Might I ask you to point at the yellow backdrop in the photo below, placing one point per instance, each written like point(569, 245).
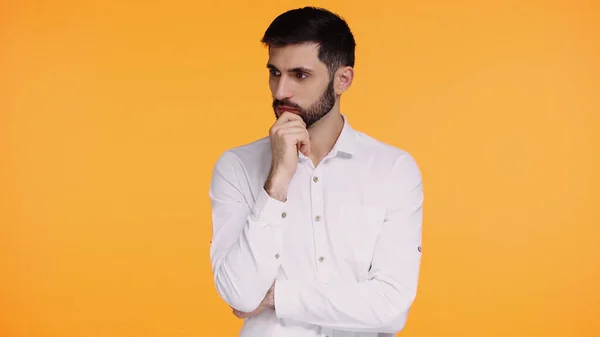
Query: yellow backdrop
point(112, 115)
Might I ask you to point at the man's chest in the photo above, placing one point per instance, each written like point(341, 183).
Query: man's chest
point(333, 222)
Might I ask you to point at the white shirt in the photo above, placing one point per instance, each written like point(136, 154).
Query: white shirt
point(344, 248)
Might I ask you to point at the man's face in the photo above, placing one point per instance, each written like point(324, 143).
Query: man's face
point(300, 82)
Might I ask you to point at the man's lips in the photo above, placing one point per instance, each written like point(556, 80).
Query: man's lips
point(286, 108)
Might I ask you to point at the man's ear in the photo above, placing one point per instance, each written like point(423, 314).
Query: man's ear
point(343, 79)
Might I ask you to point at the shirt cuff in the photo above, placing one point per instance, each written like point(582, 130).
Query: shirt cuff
point(287, 300)
point(269, 210)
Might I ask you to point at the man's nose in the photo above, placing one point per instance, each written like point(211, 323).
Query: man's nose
point(283, 90)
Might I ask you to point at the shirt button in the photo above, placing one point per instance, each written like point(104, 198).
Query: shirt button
point(321, 259)
point(283, 215)
point(318, 218)
point(315, 179)
point(277, 255)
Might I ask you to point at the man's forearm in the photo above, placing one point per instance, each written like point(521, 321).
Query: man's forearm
point(374, 305)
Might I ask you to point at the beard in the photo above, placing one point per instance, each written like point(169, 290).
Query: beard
point(316, 111)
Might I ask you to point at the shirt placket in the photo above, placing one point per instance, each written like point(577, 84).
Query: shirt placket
point(318, 221)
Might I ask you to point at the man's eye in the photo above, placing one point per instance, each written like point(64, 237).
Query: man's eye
point(274, 72)
point(301, 75)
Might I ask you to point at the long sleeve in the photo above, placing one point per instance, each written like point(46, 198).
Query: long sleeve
point(247, 236)
point(381, 303)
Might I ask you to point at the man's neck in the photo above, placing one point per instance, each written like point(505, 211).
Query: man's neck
point(324, 134)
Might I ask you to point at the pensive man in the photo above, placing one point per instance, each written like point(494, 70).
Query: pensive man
point(317, 226)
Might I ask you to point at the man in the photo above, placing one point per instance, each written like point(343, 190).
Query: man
point(317, 227)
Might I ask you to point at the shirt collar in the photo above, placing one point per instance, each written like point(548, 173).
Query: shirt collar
point(346, 141)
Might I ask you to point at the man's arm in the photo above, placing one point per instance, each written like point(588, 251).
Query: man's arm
point(381, 303)
point(246, 240)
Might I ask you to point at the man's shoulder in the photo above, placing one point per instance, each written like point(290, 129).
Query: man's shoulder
point(381, 150)
point(253, 147)
point(387, 160)
point(247, 154)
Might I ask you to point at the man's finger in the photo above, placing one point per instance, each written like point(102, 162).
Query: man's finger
point(287, 127)
point(289, 116)
point(304, 149)
point(292, 129)
point(239, 314)
point(288, 124)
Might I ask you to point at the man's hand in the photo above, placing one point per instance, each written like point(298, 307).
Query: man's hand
point(268, 303)
point(288, 135)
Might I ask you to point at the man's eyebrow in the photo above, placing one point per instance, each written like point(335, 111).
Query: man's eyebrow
point(301, 70)
point(293, 70)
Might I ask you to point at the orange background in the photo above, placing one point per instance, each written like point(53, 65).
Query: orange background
point(113, 114)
